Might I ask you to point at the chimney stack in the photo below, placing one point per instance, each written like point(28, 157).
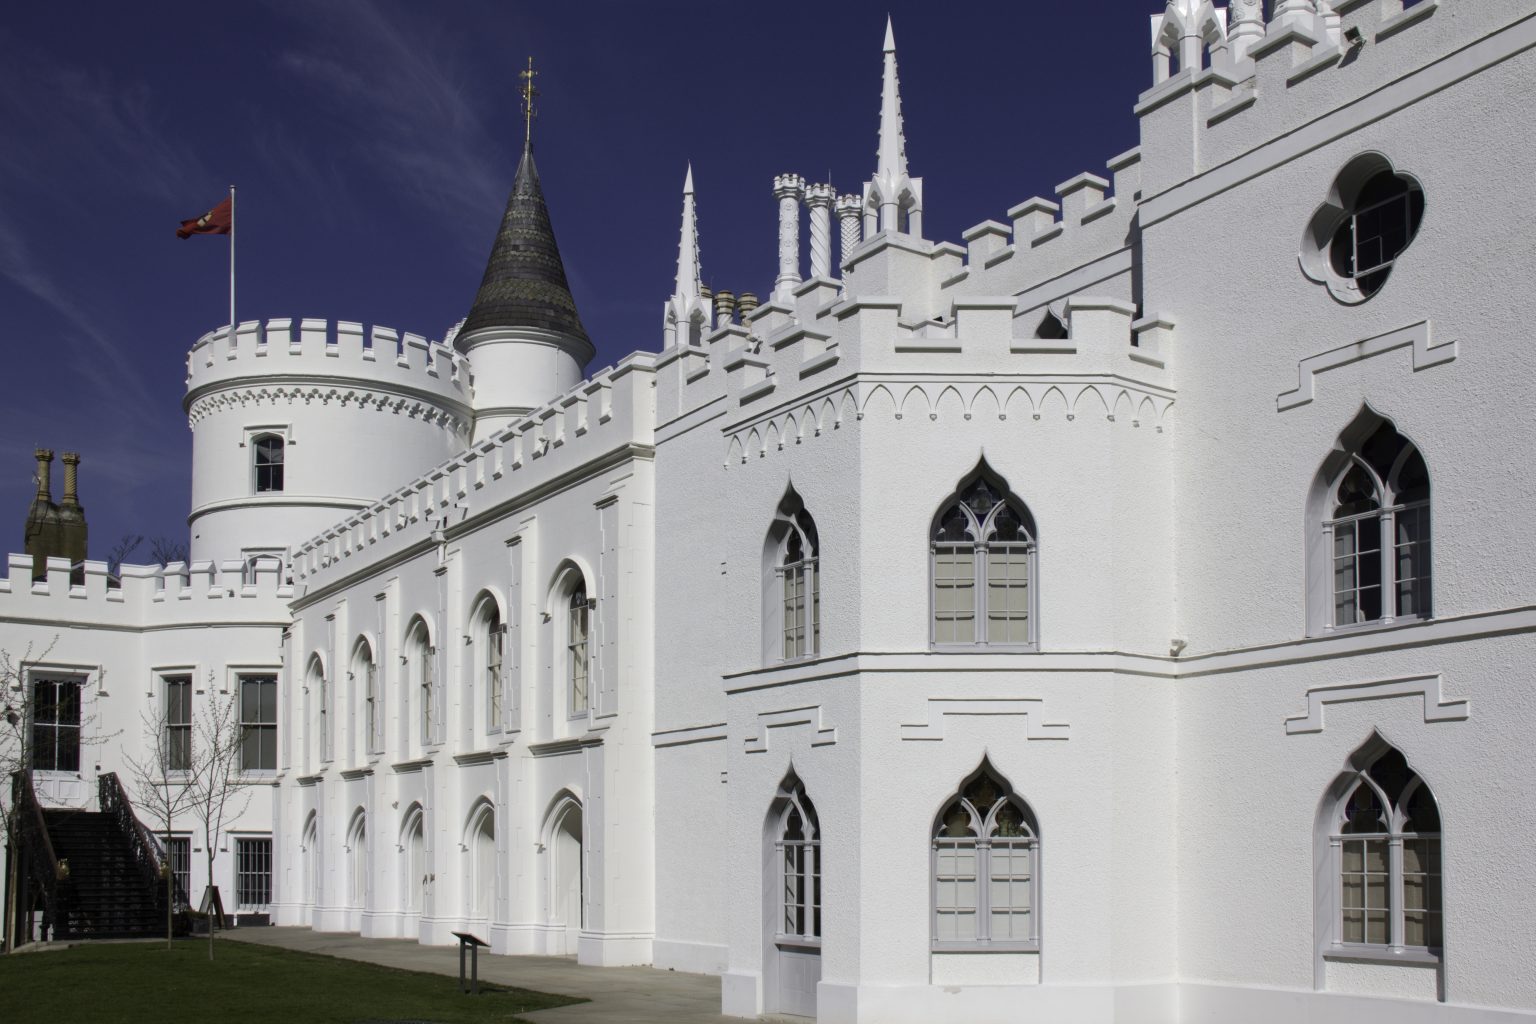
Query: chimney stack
point(72, 533)
point(71, 479)
point(44, 458)
point(725, 306)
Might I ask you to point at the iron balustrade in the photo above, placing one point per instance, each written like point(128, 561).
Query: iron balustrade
point(147, 853)
point(31, 834)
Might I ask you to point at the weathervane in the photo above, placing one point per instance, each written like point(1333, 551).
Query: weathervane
point(528, 93)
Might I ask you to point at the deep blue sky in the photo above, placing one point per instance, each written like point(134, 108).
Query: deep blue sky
point(373, 144)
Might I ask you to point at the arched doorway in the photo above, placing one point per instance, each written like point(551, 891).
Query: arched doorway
point(566, 883)
point(792, 904)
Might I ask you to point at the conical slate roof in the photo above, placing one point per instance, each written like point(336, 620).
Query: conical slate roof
point(524, 283)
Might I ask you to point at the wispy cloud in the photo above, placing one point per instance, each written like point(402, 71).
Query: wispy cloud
point(405, 104)
point(59, 116)
point(104, 363)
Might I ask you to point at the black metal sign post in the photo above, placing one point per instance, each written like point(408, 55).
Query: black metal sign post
point(473, 944)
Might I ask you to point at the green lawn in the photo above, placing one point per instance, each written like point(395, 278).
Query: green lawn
point(144, 983)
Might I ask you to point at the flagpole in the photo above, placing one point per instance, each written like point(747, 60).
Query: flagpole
point(231, 264)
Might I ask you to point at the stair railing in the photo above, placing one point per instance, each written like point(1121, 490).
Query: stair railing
point(146, 851)
point(32, 837)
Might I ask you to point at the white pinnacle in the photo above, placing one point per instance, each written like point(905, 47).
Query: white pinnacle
point(687, 306)
point(892, 157)
point(891, 182)
point(688, 244)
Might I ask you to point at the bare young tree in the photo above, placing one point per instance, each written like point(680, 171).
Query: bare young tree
point(162, 779)
point(164, 551)
point(217, 791)
point(126, 545)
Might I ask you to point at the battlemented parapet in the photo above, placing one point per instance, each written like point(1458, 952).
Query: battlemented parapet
point(379, 358)
point(831, 350)
point(142, 596)
point(336, 414)
point(1221, 91)
point(610, 415)
point(1089, 223)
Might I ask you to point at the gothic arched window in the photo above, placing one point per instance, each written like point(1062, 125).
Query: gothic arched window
point(365, 678)
point(983, 551)
point(1384, 841)
point(421, 658)
point(798, 855)
point(1376, 528)
point(489, 637)
point(578, 650)
point(986, 859)
point(794, 611)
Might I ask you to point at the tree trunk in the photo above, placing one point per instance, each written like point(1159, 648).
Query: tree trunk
point(213, 907)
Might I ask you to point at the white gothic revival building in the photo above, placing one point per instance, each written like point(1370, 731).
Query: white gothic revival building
point(1123, 615)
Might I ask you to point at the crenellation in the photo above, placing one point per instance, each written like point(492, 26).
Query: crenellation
point(139, 596)
point(95, 581)
point(1125, 172)
point(348, 341)
point(814, 297)
point(1077, 196)
point(1200, 118)
point(330, 352)
point(984, 240)
point(558, 432)
point(1033, 217)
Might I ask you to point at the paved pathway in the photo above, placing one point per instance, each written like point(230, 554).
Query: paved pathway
point(620, 995)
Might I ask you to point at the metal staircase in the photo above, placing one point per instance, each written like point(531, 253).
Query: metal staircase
point(93, 874)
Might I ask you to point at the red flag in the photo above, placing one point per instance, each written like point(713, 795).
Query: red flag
point(217, 221)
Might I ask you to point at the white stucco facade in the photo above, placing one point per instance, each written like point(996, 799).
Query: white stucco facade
point(1185, 665)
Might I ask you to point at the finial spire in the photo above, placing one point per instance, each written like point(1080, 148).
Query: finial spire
point(892, 191)
point(686, 310)
point(688, 244)
point(892, 157)
point(528, 92)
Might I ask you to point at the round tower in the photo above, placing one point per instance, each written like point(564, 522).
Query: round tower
point(523, 335)
point(297, 423)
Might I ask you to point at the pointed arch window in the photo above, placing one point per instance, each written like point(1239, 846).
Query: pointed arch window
point(983, 560)
point(365, 676)
point(799, 577)
point(320, 687)
point(488, 634)
point(421, 656)
point(986, 855)
point(578, 650)
point(495, 646)
point(798, 857)
point(1384, 843)
point(1377, 533)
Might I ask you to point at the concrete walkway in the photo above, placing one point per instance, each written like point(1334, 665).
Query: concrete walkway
point(619, 995)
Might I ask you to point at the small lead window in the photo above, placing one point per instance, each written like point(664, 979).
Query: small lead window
point(268, 460)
